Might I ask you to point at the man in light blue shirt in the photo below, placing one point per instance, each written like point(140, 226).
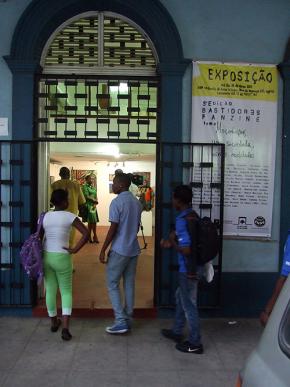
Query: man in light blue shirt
point(125, 216)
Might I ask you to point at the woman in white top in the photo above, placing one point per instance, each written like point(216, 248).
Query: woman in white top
point(57, 258)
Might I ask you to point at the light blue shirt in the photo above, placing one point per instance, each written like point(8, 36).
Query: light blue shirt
point(126, 210)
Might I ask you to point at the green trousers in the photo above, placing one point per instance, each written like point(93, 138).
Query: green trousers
point(58, 274)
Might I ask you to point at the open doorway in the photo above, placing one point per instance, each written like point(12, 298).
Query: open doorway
point(102, 159)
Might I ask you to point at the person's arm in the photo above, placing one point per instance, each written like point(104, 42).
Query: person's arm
point(270, 304)
point(85, 236)
point(87, 196)
point(109, 238)
point(81, 197)
point(184, 250)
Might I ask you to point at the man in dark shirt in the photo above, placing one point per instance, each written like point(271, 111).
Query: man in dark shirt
point(186, 294)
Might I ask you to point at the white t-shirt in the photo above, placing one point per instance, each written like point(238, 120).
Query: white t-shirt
point(57, 227)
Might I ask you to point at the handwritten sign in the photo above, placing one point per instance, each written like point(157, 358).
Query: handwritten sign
point(3, 126)
point(237, 105)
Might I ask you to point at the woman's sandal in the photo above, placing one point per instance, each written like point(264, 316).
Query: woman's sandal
point(65, 334)
point(54, 328)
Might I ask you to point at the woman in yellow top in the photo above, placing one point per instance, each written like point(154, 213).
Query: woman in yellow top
point(90, 194)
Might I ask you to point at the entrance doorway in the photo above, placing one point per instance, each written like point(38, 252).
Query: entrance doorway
point(102, 159)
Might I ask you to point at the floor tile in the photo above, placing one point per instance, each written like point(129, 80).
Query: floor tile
point(96, 378)
point(101, 356)
point(153, 379)
point(205, 378)
point(35, 378)
point(150, 356)
point(47, 355)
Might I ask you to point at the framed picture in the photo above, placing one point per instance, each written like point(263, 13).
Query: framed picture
point(80, 176)
point(146, 177)
point(111, 176)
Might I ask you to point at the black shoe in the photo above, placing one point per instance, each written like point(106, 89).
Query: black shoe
point(189, 348)
point(65, 334)
point(54, 327)
point(169, 334)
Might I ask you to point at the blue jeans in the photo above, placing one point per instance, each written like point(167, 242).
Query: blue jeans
point(186, 309)
point(118, 267)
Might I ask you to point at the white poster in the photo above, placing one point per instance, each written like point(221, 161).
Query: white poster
point(237, 105)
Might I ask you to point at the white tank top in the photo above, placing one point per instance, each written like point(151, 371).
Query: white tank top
point(57, 227)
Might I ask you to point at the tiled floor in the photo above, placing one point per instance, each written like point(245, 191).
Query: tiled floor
point(89, 281)
point(33, 356)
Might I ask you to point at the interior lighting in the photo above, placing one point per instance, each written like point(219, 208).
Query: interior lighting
point(122, 88)
point(110, 150)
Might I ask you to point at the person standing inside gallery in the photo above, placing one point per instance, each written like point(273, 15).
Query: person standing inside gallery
point(124, 216)
point(90, 194)
point(75, 194)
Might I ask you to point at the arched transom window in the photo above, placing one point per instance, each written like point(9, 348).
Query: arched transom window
point(98, 42)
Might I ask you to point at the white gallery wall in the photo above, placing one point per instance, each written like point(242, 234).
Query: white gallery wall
point(102, 170)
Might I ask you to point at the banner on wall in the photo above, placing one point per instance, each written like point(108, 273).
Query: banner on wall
point(237, 105)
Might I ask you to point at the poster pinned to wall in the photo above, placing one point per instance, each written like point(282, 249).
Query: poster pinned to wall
point(236, 105)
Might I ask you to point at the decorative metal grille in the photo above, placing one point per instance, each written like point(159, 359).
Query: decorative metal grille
point(100, 41)
point(92, 108)
point(17, 179)
point(125, 46)
point(202, 167)
point(76, 44)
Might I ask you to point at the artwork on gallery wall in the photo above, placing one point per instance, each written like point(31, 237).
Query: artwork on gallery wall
point(80, 175)
point(111, 176)
point(146, 178)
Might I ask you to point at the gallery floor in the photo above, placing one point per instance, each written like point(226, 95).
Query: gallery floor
point(89, 281)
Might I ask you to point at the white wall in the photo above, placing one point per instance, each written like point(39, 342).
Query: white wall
point(102, 171)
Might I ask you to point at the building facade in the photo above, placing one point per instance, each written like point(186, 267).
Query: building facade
point(176, 33)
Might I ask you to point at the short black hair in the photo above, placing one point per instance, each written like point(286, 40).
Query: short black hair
point(64, 172)
point(183, 193)
point(124, 179)
point(59, 196)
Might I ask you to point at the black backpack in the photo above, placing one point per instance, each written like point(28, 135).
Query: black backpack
point(204, 237)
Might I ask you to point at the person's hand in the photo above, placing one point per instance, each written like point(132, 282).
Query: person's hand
point(172, 237)
point(165, 244)
point(102, 257)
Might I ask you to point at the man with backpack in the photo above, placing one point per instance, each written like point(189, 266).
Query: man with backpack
point(184, 241)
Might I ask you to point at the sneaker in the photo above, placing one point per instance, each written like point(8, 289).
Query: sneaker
point(189, 348)
point(117, 329)
point(169, 334)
